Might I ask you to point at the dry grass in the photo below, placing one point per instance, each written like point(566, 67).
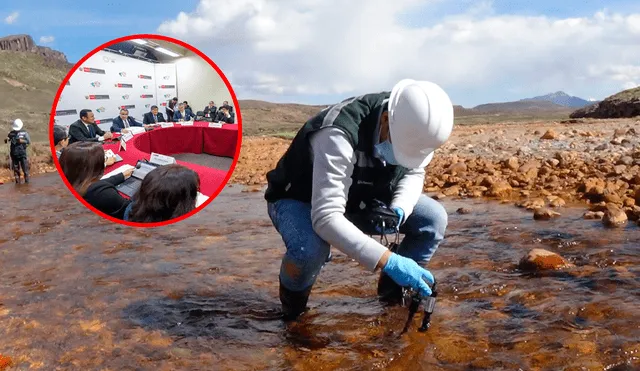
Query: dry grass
point(38, 152)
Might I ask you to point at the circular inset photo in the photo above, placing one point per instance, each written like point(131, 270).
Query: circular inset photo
point(145, 130)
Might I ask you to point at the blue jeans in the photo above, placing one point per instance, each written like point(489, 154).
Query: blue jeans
point(307, 253)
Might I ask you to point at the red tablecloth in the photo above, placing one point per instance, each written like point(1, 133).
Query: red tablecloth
point(198, 138)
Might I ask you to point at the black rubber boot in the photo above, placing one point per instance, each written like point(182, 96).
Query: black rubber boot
point(388, 290)
point(26, 180)
point(18, 180)
point(294, 303)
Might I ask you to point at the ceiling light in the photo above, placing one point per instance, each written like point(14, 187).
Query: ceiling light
point(140, 42)
point(167, 52)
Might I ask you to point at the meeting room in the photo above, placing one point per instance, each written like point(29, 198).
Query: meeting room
point(145, 130)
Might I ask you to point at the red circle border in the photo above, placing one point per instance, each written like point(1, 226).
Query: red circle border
point(54, 106)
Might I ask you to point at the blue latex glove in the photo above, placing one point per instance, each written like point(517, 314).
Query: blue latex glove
point(400, 214)
point(406, 272)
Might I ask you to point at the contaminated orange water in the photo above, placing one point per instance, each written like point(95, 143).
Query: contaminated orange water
point(80, 293)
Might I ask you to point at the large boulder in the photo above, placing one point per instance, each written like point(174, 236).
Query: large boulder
point(623, 104)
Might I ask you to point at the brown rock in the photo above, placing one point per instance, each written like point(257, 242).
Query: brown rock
point(459, 167)
point(439, 196)
point(629, 202)
point(625, 160)
point(463, 210)
point(557, 202)
point(550, 134)
point(610, 197)
point(543, 213)
point(532, 204)
point(540, 259)
point(512, 163)
point(500, 189)
point(553, 162)
point(619, 169)
point(594, 215)
point(614, 217)
point(451, 191)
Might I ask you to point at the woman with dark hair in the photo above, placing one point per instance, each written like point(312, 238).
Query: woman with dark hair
point(83, 165)
point(171, 108)
point(166, 193)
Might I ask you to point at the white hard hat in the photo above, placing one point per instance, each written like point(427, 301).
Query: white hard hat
point(420, 120)
point(17, 124)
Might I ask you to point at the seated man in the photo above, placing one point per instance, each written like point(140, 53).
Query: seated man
point(123, 122)
point(86, 130)
point(182, 114)
point(187, 107)
point(153, 117)
point(211, 110)
point(226, 104)
point(225, 116)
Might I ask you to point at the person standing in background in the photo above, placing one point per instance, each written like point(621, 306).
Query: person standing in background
point(19, 140)
point(171, 108)
point(211, 110)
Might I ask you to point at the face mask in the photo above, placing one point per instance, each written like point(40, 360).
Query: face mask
point(385, 151)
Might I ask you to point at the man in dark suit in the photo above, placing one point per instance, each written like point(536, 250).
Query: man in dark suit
point(182, 114)
point(211, 110)
point(153, 117)
point(225, 116)
point(123, 122)
point(226, 104)
point(86, 130)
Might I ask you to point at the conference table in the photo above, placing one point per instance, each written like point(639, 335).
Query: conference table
point(197, 137)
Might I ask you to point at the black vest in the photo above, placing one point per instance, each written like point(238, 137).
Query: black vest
point(18, 150)
point(371, 179)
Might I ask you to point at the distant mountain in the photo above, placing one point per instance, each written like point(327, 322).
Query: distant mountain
point(562, 99)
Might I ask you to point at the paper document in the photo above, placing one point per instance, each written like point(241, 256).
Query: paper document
point(136, 130)
point(117, 171)
point(201, 199)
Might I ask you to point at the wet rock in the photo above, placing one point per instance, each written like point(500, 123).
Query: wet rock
point(550, 134)
point(500, 189)
point(463, 210)
point(451, 191)
point(625, 160)
point(540, 260)
point(545, 214)
point(594, 215)
point(439, 196)
point(557, 202)
point(532, 204)
point(614, 217)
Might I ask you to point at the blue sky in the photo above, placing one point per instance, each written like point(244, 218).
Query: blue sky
point(79, 26)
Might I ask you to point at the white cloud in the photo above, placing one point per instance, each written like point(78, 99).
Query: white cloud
point(11, 18)
point(47, 39)
point(313, 47)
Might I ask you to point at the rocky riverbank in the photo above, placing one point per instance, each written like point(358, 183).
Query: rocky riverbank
point(536, 166)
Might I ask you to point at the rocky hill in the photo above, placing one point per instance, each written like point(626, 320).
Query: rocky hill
point(621, 105)
point(25, 43)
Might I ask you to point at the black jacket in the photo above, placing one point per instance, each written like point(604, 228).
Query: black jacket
point(229, 120)
point(118, 124)
point(148, 118)
point(19, 141)
point(78, 132)
point(211, 111)
point(104, 196)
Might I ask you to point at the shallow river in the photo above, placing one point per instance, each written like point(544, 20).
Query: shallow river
point(80, 293)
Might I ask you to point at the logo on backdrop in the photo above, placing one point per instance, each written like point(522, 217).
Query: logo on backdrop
point(163, 104)
point(167, 95)
point(147, 105)
point(107, 59)
point(145, 77)
point(96, 84)
point(95, 97)
point(126, 96)
point(123, 85)
point(146, 96)
point(167, 86)
point(130, 106)
point(101, 109)
point(123, 74)
point(66, 112)
point(105, 121)
point(166, 77)
point(145, 86)
point(92, 70)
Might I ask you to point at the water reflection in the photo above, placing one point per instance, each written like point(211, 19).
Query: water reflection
point(78, 292)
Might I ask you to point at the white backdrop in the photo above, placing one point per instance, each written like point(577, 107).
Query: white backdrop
point(108, 81)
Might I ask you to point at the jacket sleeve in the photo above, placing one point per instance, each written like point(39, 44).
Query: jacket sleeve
point(115, 128)
point(333, 163)
point(176, 116)
point(135, 123)
point(145, 120)
point(115, 180)
point(161, 117)
point(78, 134)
